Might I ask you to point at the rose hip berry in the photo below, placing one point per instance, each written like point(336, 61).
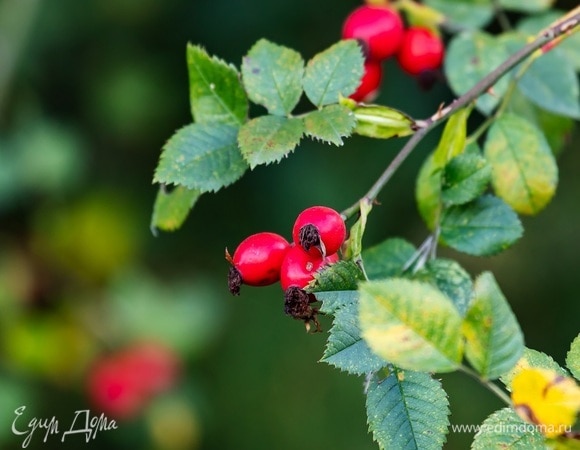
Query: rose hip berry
point(297, 271)
point(319, 230)
point(299, 267)
point(257, 261)
point(368, 89)
point(379, 28)
point(421, 50)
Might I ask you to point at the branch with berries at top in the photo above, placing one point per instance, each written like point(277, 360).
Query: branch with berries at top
point(558, 30)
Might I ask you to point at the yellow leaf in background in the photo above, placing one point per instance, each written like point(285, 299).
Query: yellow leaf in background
point(546, 399)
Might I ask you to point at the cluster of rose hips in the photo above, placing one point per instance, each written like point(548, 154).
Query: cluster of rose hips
point(382, 34)
point(265, 258)
point(122, 383)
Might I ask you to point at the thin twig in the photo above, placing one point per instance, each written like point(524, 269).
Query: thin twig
point(425, 126)
point(487, 384)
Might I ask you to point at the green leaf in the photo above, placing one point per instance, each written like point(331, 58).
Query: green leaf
point(340, 276)
point(272, 76)
point(451, 279)
point(556, 129)
point(470, 57)
point(388, 258)
point(573, 358)
point(524, 171)
point(215, 91)
point(268, 139)
point(345, 349)
point(465, 178)
point(411, 324)
point(330, 124)
point(334, 72)
point(483, 227)
point(494, 340)
point(407, 410)
point(532, 359)
point(171, 208)
point(333, 301)
point(464, 13)
point(570, 46)
point(428, 192)
point(380, 122)
point(528, 6)
point(201, 156)
point(452, 142)
point(554, 90)
point(506, 430)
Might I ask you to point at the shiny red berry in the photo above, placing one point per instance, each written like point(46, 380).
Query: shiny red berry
point(257, 261)
point(421, 50)
point(379, 28)
point(319, 230)
point(368, 89)
point(299, 267)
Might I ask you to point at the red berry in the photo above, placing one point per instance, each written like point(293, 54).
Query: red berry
point(299, 267)
point(319, 230)
point(368, 89)
point(421, 50)
point(257, 260)
point(379, 28)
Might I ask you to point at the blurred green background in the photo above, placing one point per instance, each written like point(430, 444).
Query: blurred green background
point(89, 92)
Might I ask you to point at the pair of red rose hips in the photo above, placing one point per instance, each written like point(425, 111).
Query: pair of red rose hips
point(381, 31)
point(265, 258)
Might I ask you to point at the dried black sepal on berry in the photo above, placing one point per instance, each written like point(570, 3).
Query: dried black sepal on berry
point(310, 237)
point(297, 305)
point(234, 280)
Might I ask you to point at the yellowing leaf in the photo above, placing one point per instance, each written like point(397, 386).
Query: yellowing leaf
point(546, 399)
